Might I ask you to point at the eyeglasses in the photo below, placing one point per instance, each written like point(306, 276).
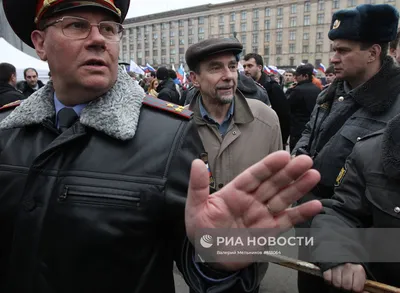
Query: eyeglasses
point(80, 28)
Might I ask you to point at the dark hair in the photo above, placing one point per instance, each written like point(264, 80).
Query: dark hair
point(172, 74)
point(153, 74)
point(393, 44)
point(6, 71)
point(384, 47)
point(306, 69)
point(30, 68)
point(292, 71)
point(330, 69)
point(257, 58)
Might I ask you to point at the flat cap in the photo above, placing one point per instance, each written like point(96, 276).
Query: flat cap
point(365, 23)
point(201, 50)
point(304, 70)
point(25, 15)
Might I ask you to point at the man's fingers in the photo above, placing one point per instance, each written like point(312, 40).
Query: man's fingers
point(288, 218)
point(294, 191)
point(328, 276)
point(347, 277)
point(291, 172)
point(252, 177)
point(337, 277)
point(199, 184)
point(359, 278)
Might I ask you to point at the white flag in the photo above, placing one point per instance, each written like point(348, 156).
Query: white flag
point(135, 68)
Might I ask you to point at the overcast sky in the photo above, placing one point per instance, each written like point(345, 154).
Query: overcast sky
point(145, 7)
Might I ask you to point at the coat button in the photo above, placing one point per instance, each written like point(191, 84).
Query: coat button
point(234, 132)
point(397, 210)
point(220, 185)
point(341, 99)
point(358, 138)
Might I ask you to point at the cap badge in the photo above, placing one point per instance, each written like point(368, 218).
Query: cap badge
point(336, 24)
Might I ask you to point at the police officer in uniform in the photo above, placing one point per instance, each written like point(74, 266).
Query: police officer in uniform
point(94, 177)
point(361, 100)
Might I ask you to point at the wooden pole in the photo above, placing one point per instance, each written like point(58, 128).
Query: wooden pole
point(309, 268)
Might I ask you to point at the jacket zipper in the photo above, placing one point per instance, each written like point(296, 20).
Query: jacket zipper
point(98, 198)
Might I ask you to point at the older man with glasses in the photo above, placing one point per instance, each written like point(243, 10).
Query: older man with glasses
point(94, 176)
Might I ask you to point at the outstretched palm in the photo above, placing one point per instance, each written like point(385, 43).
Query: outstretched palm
point(260, 197)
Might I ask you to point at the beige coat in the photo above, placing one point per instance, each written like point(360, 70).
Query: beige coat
point(253, 133)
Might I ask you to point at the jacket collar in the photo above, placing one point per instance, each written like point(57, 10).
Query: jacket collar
point(391, 148)
point(241, 115)
point(375, 95)
point(116, 113)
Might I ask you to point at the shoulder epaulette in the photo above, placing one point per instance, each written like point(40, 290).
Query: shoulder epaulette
point(10, 105)
point(376, 133)
point(167, 106)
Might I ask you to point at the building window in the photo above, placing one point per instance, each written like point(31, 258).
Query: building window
point(181, 58)
point(291, 60)
point(267, 24)
point(267, 36)
point(232, 28)
point(255, 49)
point(243, 27)
point(233, 16)
point(292, 48)
point(190, 31)
point(181, 50)
point(306, 20)
point(172, 60)
point(292, 35)
point(163, 35)
point(279, 23)
point(336, 4)
point(221, 29)
point(279, 36)
point(318, 48)
point(255, 13)
point(278, 61)
point(181, 33)
point(293, 8)
point(172, 34)
point(305, 61)
point(266, 51)
point(369, 1)
point(306, 36)
point(173, 24)
point(267, 12)
point(307, 6)
point(279, 11)
point(266, 60)
point(255, 38)
point(181, 42)
point(255, 26)
point(181, 23)
point(201, 20)
point(172, 52)
point(320, 18)
point(190, 40)
point(163, 52)
point(172, 42)
point(221, 19)
point(163, 60)
point(320, 35)
point(201, 37)
point(278, 49)
point(321, 5)
point(243, 37)
point(351, 3)
point(201, 30)
point(293, 21)
point(305, 49)
point(139, 46)
point(140, 55)
point(243, 15)
point(190, 22)
point(163, 43)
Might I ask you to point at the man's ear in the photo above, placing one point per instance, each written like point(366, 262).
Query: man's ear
point(374, 52)
point(37, 38)
point(194, 79)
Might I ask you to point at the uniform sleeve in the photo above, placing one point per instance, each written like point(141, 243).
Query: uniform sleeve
point(199, 277)
point(348, 208)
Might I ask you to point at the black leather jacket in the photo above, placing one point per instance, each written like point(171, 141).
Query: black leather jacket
point(93, 210)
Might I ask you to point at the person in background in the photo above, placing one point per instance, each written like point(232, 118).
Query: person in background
point(394, 48)
point(8, 82)
point(31, 83)
point(174, 77)
point(166, 87)
point(329, 75)
point(153, 88)
point(288, 80)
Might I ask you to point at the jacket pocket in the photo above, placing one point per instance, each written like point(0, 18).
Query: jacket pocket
point(99, 196)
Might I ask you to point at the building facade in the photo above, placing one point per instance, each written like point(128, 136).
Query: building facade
point(285, 32)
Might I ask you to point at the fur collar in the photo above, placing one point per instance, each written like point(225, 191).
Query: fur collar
point(376, 95)
point(391, 148)
point(116, 113)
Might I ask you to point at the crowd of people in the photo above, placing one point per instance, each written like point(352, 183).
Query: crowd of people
point(107, 179)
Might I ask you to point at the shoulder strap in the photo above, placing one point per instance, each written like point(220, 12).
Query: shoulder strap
point(167, 106)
